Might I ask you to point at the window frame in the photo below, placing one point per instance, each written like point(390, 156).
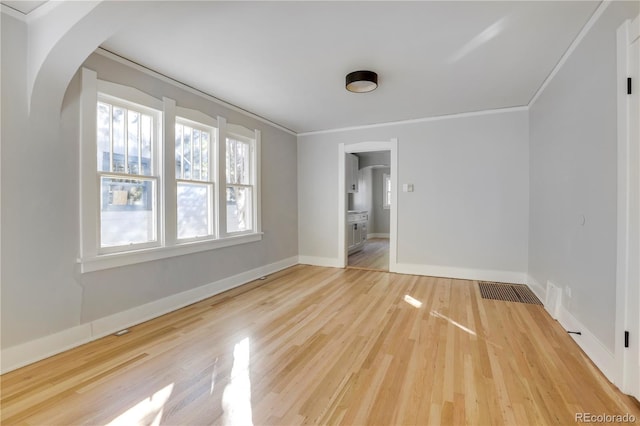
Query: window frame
point(90, 257)
point(202, 122)
point(386, 193)
point(156, 171)
point(252, 138)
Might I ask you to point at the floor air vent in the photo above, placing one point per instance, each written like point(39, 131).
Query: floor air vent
point(507, 292)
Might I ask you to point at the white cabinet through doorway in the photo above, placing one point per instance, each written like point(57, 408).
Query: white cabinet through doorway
point(356, 231)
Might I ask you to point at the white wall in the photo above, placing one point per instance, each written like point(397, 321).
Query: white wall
point(470, 205)
point(39, 291)
point(381, 216)
point(362, 200)
point(374, 158)
point(43, 292)
point(573, 170)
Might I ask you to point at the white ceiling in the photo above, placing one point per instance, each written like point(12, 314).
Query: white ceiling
point(286, 61)
point(23, 6)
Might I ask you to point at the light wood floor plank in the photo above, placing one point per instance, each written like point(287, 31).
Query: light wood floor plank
point(374, 255)
point(313, 345)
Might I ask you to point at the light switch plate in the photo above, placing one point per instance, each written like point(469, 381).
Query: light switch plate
point(407, 187)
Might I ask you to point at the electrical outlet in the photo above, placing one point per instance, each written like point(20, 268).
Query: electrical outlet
point(567, 291)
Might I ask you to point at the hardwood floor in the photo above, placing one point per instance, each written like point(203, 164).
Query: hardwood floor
point(374, 255)
point(312, 345)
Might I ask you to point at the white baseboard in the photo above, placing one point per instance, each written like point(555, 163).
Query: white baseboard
point(375, 235)
point(461, 273)
point(44, 347)
point(590, 344)
point(537, 288)
point(320, 261)
point(632, 385)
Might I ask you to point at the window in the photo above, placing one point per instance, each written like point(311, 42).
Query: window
point(194, 150)
point(155, 180)
point(386, 191)
point(127, 175)
point(240, 184)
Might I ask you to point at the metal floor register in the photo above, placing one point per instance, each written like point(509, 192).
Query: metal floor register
point(508, 292)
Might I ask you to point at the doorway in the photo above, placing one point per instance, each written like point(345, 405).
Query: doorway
point(359, 234)
point(368, 210)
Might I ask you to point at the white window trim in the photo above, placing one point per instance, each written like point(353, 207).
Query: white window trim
point(90, 258)
point(89, 178)
point(253, 138)
point(107, 261)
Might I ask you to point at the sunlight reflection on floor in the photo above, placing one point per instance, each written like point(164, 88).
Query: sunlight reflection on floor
point(413, 302)
point(213, 376)
point(146, 409)
point(236, 399)
point(457, 324)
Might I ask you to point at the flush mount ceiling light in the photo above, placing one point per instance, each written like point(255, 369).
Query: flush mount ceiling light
point(361, 81)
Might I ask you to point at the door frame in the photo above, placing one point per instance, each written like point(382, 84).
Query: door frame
point(628, 228)
point(352, 148)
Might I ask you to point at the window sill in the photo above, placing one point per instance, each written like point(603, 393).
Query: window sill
point(107, 261)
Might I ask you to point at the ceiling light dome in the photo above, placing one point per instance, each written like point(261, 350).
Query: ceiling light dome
point(361, 81)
